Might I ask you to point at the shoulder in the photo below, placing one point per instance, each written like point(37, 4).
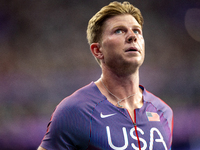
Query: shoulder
point(158, 104)
point(71, 118)
point(85, 97)
point(81, 103)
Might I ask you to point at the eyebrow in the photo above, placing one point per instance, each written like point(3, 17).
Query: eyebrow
point(122, 26)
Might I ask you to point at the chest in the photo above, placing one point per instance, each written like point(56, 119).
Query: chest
point(113, 128)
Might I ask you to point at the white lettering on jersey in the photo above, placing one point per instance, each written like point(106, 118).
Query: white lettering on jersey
point(157, 140)
point(110, 140)
point(161, 140)
point(140, 139)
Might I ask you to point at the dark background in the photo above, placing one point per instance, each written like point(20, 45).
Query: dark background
point(44, 57)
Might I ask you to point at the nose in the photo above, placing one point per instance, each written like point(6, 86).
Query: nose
point(131, 37)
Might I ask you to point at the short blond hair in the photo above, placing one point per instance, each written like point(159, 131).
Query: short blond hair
point(95, 24)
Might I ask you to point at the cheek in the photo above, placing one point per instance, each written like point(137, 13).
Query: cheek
point(142, 43)
point(112, 43)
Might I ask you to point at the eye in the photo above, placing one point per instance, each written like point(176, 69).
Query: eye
point(136, 31)
point(119, 31)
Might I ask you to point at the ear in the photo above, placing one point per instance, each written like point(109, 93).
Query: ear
point(96, 50)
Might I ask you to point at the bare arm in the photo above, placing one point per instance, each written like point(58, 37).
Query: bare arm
point(40, 148)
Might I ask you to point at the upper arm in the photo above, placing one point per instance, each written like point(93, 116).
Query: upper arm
point(69, 127)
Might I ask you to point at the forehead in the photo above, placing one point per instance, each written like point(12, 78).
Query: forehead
point(121, 20)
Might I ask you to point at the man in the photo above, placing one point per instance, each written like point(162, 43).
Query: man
point(114, 112)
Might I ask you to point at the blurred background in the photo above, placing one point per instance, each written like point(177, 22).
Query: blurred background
point(44, 57)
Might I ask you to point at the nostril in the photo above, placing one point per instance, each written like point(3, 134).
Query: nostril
point(131, 39)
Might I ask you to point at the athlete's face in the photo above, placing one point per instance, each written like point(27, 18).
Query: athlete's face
point(122, 43)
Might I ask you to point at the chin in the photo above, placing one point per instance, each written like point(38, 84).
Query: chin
point(128, 69)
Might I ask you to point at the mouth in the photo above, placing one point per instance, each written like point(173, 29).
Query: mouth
point(132, 49)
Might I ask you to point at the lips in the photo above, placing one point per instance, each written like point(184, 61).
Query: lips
point(132, 49)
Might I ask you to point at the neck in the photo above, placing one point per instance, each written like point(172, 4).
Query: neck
point(119, 100)
point(122, 91)
point(127, 84)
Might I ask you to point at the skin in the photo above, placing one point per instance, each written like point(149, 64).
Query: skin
point(40, 148)
point(120, 68)
point(121, 33)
